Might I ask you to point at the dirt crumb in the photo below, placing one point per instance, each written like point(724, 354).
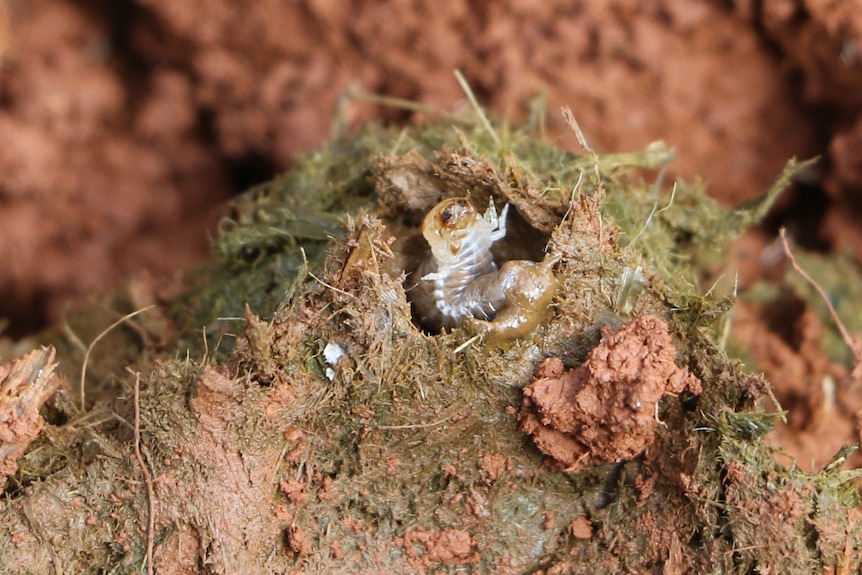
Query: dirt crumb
point(606, 409)
point(446, 546)
point(493, 466)
point(280, 397)
point(582, 528)
point(297, 542)
point(294, 490)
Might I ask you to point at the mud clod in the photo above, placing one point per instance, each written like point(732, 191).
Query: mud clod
point(297, 543)
point(605, 410)
point(448, 546)
point(581, 528)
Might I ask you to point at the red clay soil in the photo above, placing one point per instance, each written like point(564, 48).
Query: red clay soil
point(124, 126)
point(605, 410)
point(822, 43)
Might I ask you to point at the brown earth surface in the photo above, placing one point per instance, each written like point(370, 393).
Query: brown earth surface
point(126, 126)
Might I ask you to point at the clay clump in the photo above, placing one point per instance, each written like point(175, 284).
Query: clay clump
point(606, 410)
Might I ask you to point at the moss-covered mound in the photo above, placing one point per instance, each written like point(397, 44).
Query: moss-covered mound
point(296, 417)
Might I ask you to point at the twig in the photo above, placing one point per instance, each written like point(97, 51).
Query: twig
point(320, 281)
point(569, 117)
point(652, 213)
point(400, 103)
point(466, 344)
point(148, 478)
point(471, 97)
point(576, 128)
point(95, 341)
point(416, 425)
point(855, 344)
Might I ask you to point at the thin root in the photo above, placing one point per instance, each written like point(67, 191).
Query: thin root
point(148, 477)
point(96, 340)
point(854, 343)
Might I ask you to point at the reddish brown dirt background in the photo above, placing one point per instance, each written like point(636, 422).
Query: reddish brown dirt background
point(124, 126)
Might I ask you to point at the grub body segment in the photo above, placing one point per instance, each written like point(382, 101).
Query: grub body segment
point(461, 284)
